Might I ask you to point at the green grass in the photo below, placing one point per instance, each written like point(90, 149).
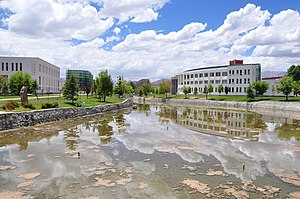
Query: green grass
point(229, 98)
point(64, 103)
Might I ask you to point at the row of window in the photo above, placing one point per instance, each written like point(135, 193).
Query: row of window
point(230, 89)
point(48, 71)
point(239, 72)
point(231, 81)
point(218, 74)
point(12, 67)
point(211, 74)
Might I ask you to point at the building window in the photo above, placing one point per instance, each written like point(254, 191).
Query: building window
point(218, 74)
point(205, 81)
point(205, 74)
point(241, 72)
point(232, 72)
point(232, 81)
point(6, 66)
point(240, 81)
point(192, 76)
point(211, 81)
point(40, 80)
point(248, 71)
point(200, 82)
point(196, 82)
point(21, 68)
point(187, 82)
point(237, 89)
point(240, 89)
point(229, 81)
point(196, 75)
point(224, 81)
point(216, 89)
point(192, 82)
point(200, 74)
point(224, 73)
point(40, 68)
point(245, 72)
point(17, 67)
point(245, 81)
point(218, 81)
point(188, 76)
point(229, 72)
point(12, 66)
point(248, 80)
point(2, 66)
point(211, 74)
point(245, 89)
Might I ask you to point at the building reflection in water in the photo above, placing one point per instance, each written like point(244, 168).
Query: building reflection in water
point(220, 122)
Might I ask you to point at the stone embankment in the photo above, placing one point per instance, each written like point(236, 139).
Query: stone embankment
point(30, 118)
point(287, 109)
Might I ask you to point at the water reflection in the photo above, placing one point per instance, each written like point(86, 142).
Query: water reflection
point(230, 123)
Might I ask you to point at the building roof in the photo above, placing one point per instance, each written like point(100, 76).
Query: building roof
point(270, 78)
point(214, 67)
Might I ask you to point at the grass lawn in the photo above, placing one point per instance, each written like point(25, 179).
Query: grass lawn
point(230, 98)
point(63, 103)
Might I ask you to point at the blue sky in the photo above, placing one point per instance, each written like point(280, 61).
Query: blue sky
point(151, 38)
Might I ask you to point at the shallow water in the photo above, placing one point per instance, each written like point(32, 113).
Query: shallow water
point(154, 152)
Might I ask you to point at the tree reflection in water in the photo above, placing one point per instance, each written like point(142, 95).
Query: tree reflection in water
point(287, 131)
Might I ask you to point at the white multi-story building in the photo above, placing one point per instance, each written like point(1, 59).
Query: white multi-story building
point(46, 74)
point(236, 76)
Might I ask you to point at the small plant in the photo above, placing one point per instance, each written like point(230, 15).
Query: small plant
point(28, 105)
point(10, 105)
point(49, 105)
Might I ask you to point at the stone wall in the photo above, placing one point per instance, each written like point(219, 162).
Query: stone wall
point(288, 109)
point(21, 119)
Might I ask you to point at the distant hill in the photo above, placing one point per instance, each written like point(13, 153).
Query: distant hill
point(269, 73)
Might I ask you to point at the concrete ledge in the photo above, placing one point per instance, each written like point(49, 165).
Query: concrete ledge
point(288, 109)
point(30, 118)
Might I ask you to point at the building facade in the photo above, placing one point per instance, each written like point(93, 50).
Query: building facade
point(83, 78)
point(46, 74)
point(273, 83)
point(236, 76)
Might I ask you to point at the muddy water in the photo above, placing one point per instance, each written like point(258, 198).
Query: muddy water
point(154, 152)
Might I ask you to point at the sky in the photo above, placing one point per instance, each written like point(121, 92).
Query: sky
point(151, 38)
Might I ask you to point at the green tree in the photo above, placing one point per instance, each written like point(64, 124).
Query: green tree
point(17, 80)
point(250, 93)
point(260, 87)
point(294, 72)
point(195, 91)
point(210, 88)
point(71, 89)
point(146, 88)
point(88, 89)
point(220, 89)
point(296, 87)
point(104, 84)
point(120, 87)
point(226, 90)
point(4, 88)
point(186, 90)
point(34, 87)
point(285, 86)
point(165, 87)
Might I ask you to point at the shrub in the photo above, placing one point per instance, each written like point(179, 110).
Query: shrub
point(28, 105)
point(10, 105)
point(49, 105)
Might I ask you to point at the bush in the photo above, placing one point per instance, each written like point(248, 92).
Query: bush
point(28, 105)
point(49, 105)
point(10, 105)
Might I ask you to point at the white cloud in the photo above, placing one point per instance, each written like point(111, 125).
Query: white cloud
point(117, 30)
point(149, 54)
point(132, 10)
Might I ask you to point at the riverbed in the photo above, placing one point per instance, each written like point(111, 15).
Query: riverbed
point(154, 152)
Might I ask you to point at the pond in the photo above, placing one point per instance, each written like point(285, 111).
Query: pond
point(154, 152)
